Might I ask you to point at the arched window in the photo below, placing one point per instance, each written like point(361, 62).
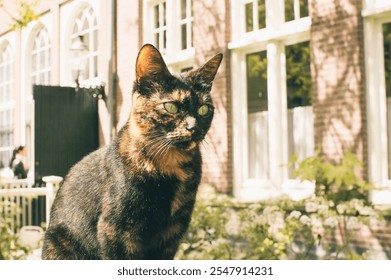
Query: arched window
point(7, 104)
point(40, 58)
point(86, 27)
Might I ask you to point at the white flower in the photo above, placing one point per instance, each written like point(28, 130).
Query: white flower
point(305, 220)
point(353, 223)
point(323, 208)
point(341, 208)
point(311, 207)
point(316, 222)
point(366, 211)
point(331, 222)
point(294, 214)
point(280, 237)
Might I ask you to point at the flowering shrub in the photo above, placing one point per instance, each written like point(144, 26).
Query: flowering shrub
point(10, 247)
point(223, 228)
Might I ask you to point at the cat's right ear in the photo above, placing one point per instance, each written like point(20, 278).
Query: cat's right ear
point(150, 63)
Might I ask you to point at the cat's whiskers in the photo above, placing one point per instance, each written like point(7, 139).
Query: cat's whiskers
point(206, 145)
point(149, 147)
point(162, 149)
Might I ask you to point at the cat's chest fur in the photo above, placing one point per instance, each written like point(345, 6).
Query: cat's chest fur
point(152, 194)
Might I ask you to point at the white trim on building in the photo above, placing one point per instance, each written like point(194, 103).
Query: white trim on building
point(273, 38)
point(375, 14)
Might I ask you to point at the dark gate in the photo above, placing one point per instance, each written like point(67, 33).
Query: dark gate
point(66, 127)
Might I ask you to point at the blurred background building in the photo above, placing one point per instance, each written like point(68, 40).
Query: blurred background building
point(297, 75)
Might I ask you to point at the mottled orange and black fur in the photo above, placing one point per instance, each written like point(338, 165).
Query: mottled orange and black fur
point(133, 199)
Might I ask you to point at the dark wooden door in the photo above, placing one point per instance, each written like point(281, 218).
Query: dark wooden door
point(66, 128)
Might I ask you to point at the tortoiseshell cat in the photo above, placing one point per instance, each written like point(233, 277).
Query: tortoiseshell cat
point(134, 198)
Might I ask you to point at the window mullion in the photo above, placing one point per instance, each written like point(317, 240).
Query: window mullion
point(255, 15)
point(296, 9)
point(169, 28)
point(275, 122)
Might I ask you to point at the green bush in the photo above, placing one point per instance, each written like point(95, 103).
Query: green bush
point(10, 247)
point(223, 228)
point(336, 182)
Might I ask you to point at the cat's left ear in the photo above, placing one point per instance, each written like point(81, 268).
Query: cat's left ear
point(150, 63)
point(208, 72)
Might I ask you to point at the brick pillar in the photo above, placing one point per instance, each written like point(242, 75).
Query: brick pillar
point(211, 36)
point(128, 43)
point(337, 67)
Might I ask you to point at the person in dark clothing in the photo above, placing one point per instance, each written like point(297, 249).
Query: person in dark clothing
point(18, 162)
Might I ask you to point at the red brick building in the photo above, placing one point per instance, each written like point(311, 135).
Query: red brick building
point(297, 75)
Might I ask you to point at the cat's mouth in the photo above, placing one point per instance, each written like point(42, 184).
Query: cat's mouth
point(182, 142)
point(185, 145)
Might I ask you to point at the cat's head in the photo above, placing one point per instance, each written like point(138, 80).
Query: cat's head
point(171, 111)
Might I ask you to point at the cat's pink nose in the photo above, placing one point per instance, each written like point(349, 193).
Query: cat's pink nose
point(190, 123)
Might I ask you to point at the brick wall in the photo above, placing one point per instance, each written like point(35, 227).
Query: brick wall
point(337, 69)
point(211, 35)
point(374, 240)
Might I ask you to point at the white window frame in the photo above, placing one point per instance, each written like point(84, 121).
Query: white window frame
point(296, 10)
point(8, 105)
point(273, 39)
point(255, 16)
point(188, 22)
point(88, 13)
point(174, 56)
point(45, 51)
point(375, 14)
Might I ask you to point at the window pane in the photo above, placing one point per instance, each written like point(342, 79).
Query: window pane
point(257, 82)
point(164, 39)
point(86, 40)
point(84, 75)
point(387, 56)
point(41, 62)
point(387, 65)
point(183, 9)
point(289, 10)
point(34, 63)
point(249, 17)
point(95, 34)
point(300, 116)
point(164, 14)
point(304, 8)
point(256, 66)
point(261, 14)
point(156, 16)
point(85, 24)
point(183, 36)
point(96, 66)
point(75, 28)
point(157, 40)
point(298, 75)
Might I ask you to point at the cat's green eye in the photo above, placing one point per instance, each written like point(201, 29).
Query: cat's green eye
point(203, 110)
point(171, 107)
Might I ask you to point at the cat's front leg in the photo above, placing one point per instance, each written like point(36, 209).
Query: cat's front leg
point(167, 242)
point(117, 244)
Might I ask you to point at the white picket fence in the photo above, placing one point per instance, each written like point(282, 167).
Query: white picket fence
point(17, 198)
